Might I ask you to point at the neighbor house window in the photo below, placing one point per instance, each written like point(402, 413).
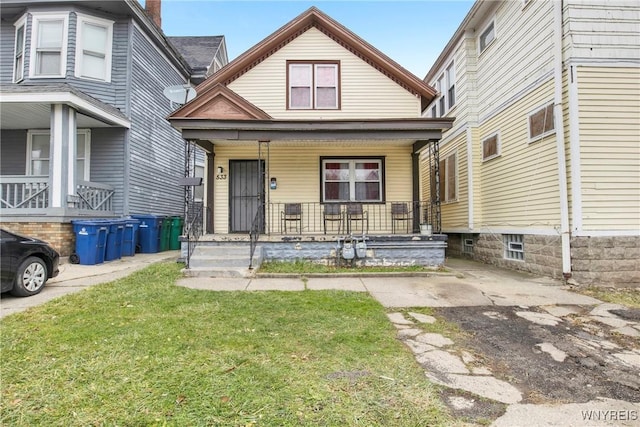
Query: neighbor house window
point(490, 147)
point(448, 178)
point(487, 36)
point(313, 85)
point(541, 122)
point(93, 51)
point(441, 101)
point(513, 247)
point(38, 152)
point(352, 180)
point(48, 45)
point(451, 84)
point(18, 59)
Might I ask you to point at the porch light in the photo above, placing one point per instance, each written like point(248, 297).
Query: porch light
point(220, 170)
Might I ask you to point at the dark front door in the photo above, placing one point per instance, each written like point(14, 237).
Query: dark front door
point(246, 194)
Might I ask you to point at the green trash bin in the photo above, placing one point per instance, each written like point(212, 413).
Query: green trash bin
point(165, 233)
point(176, 231)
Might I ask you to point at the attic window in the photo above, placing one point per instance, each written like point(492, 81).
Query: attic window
point(313, 85)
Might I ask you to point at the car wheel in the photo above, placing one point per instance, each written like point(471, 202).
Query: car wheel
point(30, 277)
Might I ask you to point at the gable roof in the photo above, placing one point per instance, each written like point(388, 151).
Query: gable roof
point(313, 17)
point(222, 103)
point(199, 51)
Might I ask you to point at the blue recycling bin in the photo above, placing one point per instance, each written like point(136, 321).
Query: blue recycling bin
point(149, 233)
point(114, 239)
point(91, 242)
point(130, 236)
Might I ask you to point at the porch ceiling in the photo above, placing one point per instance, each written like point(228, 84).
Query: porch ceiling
point(316, 142)
point(38, 116)
point(29, 107)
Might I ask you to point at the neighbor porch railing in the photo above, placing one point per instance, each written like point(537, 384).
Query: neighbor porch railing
point(24, 192)
point(19, 192)
point(391, 217)
point(195, 220)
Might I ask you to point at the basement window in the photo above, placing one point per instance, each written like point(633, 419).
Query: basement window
point(514, 247)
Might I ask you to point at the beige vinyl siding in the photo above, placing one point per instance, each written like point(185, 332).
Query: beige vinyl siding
point(365, 92)
point(610, 147)
point(296, 166)
point(603, 29)
point(520, 55)
point(520, 187)
point(456, 214)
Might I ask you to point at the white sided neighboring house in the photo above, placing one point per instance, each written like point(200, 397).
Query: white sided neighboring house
point(540, 171)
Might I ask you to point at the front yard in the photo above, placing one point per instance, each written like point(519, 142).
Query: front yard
point(141, 351)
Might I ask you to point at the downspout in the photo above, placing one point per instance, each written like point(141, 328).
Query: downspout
point(559, 125)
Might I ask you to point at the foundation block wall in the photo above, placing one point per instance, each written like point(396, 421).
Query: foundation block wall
point(59, 235)
point(606, 261)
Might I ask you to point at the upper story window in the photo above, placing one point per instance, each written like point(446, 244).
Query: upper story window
point(18, 59)
point(541, 122)
point(313, 85)
point(451, 85)
point(487, 36)
point(352, 180)
point(49, 45)
point(490, 147)
point(93, 49)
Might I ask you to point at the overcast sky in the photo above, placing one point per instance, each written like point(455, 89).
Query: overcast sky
point(412, 33)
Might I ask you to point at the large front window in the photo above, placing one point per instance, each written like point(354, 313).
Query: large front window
point(38, 152)
point(48, 45)
point(93, 53)
point(352, 180)
point(313, 85)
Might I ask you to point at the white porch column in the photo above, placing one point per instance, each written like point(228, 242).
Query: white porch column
point(62, 165)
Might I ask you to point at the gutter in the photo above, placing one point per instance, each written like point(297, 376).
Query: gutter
point(559, 125)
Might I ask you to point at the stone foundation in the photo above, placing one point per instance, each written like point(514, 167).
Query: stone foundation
point(599, 261)
point(606, 261)
point(59, 235)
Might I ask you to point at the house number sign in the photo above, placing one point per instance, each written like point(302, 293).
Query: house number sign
point(221, 176)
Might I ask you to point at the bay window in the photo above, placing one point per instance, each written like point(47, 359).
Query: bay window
point(93, 52)
point(18, 59)
point(48, 45)
point(352, 180)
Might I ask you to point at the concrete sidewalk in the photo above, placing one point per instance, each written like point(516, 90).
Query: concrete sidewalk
point(75, 277)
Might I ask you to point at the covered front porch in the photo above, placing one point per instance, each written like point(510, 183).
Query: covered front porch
point(58, 150)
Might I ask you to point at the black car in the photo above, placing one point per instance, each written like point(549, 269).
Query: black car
point(26, 265)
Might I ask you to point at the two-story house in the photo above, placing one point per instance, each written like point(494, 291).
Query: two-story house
point(314, 133)
point(541, 168)
point(83, 129)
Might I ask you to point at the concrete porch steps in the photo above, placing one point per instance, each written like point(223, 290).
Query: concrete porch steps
point(222, 260)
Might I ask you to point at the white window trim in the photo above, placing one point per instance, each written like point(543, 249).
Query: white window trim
point(81, 18)
point(22, 22)
point(86, 176)
point(87, 151)
point(352, 180)
point(37, 17)
point(30, 135)
point(544, 134)
point(445, 181)
point(482, 33)
point(309, 66)
point(498, 146)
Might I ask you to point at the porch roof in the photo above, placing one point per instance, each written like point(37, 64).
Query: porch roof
point(29, 107)
point(412, 129)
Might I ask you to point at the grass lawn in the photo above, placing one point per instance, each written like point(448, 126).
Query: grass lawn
point(629, 297)
point(141, 351)
point(308, 267)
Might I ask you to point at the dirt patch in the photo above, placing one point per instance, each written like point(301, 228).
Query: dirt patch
point(574, 360)
point(471, 408)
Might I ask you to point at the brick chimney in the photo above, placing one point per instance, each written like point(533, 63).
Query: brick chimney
point(153, 8)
